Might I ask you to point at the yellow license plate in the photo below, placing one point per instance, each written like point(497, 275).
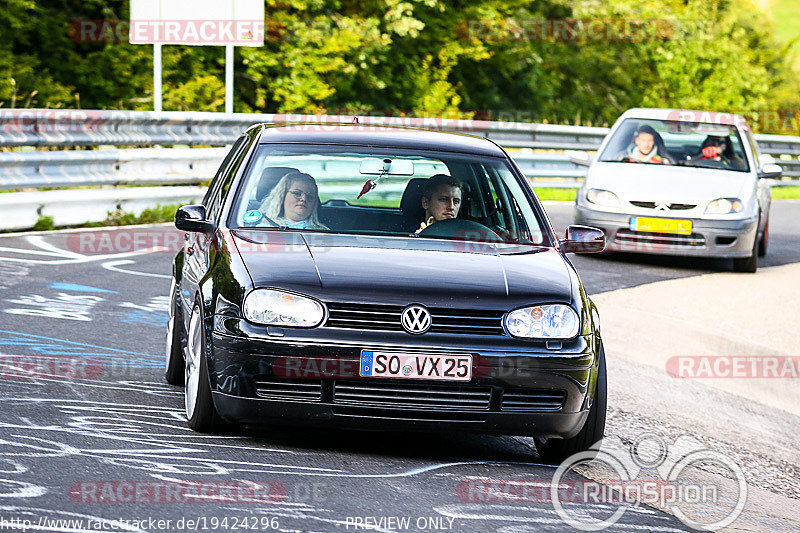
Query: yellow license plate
point(662, 225)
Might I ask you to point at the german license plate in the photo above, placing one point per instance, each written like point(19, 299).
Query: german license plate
point(415, 366)
point(662, 225)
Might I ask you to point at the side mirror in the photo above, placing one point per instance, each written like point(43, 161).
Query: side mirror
point(765, 159)
point(193, 218)
point(583, 239)
point(770, 171)
point(579, 157)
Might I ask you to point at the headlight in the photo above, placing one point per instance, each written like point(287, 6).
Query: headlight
point(723, 206)
point(278, 308)
point(543, 322)
point(602, 197)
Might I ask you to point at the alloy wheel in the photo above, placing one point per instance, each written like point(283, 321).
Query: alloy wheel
point(194, 351)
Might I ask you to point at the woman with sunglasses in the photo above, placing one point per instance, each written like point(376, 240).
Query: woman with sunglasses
point(293, 202)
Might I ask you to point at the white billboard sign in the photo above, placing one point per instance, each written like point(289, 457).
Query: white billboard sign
point(198, 22)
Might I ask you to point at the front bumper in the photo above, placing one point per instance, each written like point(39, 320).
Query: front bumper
point(709, 238)
point(272, 380)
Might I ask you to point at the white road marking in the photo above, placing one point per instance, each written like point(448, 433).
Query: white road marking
point(112, 265)
point(44, 245)
point(66, 257)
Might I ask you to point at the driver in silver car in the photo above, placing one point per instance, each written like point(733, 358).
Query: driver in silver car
point(647, 147)
point(441, 199)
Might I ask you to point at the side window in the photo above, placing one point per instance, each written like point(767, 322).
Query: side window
point(236, 154)
point(221, 172)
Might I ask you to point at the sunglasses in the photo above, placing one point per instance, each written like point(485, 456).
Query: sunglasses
point(297, 193)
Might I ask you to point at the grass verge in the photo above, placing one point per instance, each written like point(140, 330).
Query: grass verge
point(555, 193)
point(151, 215)
point(786, 193)
point(791, 192)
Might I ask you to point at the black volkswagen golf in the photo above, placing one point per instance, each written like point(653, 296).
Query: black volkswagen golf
point(383, 278)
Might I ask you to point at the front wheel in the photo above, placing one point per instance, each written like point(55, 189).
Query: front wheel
point(748, 264)
point(200, 410)
point(557, 450)
point(174, 372)
point(764, 242)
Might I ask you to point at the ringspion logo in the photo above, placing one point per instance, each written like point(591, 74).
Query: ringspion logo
point(652, 471)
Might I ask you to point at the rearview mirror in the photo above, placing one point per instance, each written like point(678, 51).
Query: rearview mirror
point(770, 171)
point(193, 218)
point(583, 240)
point(391, 167)
point(579, 157)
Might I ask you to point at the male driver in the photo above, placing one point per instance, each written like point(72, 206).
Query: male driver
point(441, 199)
point(646, 147)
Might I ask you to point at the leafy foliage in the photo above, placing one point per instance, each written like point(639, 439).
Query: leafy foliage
point(150, 215)
point(458, 57)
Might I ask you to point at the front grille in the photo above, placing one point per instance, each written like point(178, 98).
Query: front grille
point(625, 236)
point(370, 393)
point(523, 400)
point(287, 389)
point(387, 318)
point(672, 207)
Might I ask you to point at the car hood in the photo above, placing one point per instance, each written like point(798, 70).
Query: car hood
point(399, 270)
point(667, 183)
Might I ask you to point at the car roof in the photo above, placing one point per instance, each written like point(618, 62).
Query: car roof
point(688, 115)
point(378, 136)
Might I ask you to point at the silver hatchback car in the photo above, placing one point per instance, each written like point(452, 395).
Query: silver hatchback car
point(679, 182)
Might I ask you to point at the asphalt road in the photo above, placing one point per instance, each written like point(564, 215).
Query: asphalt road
point(605, 272)
point(78, 439)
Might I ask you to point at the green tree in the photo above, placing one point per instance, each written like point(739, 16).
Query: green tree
point(466, 58)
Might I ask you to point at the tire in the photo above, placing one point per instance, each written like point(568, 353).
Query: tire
point(175, 366)
point(764, 242)
point(748, 264)
point(556, 450)
point(200, 411)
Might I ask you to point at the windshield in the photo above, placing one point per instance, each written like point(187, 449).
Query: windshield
point(385, 191)
point(667, 142)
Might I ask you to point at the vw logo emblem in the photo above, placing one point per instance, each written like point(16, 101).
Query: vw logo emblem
point(416, 319)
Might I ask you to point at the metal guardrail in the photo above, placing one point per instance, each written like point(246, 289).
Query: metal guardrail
point(160, 166)
point(142, 166)
point(60, 128)
point(167, 166)
point(21, 210)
